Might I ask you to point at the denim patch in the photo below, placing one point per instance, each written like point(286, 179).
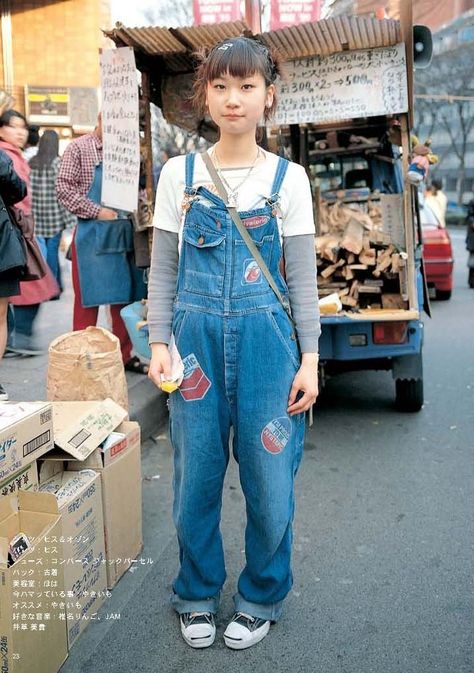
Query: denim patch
point(275, 434)
point(195, 383)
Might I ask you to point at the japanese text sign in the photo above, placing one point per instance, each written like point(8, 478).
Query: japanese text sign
point(215, 11)
point(363, 83)
point(120, 129)
point(289, 12)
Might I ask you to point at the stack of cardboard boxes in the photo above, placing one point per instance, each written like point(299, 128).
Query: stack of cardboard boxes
point(70, 483)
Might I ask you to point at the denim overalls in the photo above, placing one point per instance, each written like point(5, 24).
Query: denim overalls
point(240, 357)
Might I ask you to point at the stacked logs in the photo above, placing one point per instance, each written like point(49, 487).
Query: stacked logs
point(357, 260)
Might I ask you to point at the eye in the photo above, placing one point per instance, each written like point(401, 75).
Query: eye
point(247, 87)
point(219, 87)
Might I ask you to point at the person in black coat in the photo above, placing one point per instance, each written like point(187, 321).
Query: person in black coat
point(12, 190)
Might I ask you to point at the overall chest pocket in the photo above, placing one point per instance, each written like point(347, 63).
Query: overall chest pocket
point(247, 277)
point(203, 259)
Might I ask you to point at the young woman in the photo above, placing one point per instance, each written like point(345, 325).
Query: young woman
point(13, 135)
point(244, 366)
point(49, 215)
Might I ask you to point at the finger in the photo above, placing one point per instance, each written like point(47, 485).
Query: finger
point(303, 404)
point(293, 393)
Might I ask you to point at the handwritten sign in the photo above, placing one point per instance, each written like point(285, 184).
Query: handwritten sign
point(120, 129)
point(362, 83)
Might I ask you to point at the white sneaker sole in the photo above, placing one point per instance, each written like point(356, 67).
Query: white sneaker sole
point(242, 644)
point(198, 643)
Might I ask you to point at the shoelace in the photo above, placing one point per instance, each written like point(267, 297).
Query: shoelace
point(251, 623)
point(198, 617)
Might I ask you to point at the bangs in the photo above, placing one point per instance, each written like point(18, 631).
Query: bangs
point(237, 58)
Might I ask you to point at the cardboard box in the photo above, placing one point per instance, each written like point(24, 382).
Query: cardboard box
point(25, 479)
point(120, 469)
point(79, 500)
point(32, 618)
point(26, 433)
point(79, 429)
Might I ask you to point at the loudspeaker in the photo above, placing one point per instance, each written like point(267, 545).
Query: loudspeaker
point(422, 46)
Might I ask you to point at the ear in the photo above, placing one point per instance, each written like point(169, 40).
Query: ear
point(270, 95)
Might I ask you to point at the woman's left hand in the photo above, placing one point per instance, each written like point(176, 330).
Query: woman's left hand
point(306, 380)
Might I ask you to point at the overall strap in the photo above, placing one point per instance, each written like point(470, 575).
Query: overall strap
point(189, 174)
point(280, 173)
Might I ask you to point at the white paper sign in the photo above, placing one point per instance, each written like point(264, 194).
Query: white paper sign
point(120, 129)
point(363, 83)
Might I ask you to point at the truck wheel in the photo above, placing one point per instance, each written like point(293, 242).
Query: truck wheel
point(443, 295)
point(409, 394)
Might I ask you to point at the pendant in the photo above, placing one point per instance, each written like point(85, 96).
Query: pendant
point(232, 200)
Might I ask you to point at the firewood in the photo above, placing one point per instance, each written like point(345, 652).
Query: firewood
point(358, 267)
point(348, 301)
point(344, 292)
point(353, 236)
point(369, 289)
point(354, 291)
point(379, 238)
point(393, 301)
point(351, 258)
point(348, 273)
point(384, 260)
point(368, 257)
point(330, 269)
point(395, 262)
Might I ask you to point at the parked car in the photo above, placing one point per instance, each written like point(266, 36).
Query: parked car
point(437, 254)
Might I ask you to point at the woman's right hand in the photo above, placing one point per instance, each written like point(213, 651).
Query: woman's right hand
point(160, 363)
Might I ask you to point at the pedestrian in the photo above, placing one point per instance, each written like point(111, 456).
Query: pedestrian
point(50, 217)
point(245, 367)
point(13, 135)
point(470, 241)
point(32, 142)
point(437, 200)
point(12, 190)
point(103, 271)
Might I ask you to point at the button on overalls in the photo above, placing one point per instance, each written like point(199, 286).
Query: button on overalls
point(240, 357)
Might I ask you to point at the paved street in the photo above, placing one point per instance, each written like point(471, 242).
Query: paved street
point(383, 540)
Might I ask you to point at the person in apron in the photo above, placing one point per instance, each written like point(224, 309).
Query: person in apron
point(103, 269)
point(244, 371)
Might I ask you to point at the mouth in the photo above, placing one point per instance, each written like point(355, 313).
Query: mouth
point(233, 116)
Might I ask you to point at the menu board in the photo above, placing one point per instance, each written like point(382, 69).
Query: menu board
point(362, 83)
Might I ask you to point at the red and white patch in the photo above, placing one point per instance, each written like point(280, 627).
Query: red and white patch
point(252, 273)
point(275, 434)
point(195, 383)
point(254, 222)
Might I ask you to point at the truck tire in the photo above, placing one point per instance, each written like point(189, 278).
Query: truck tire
point(443, 295)
point(409, 394)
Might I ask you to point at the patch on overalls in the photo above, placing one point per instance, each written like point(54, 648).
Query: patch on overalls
point(254, 222)
point(251, 273)
point(195, 383)
point(275, 435)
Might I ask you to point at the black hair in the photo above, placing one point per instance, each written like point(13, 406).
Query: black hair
point(238, 57)
point(48, 150)
point(33, 135)
point(5, 118)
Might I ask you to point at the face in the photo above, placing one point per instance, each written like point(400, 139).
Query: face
point(237, 104)
point(15, 132)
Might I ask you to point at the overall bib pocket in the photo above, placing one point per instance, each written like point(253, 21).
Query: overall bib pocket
point(247, 277)
point(203, 253)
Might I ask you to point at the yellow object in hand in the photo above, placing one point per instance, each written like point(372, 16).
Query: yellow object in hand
point(169, 386)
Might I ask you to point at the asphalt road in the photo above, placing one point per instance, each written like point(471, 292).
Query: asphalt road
point(383, 539)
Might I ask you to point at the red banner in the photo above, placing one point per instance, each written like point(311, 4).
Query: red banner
point(216, 11)
point(289, 12)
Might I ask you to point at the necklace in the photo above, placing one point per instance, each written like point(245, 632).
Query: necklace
point(233, 192)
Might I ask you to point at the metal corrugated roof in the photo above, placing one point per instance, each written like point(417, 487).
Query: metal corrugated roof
point(324, 37)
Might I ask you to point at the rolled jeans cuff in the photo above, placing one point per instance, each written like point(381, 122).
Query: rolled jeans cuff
point(272, 611)
point(206, 605)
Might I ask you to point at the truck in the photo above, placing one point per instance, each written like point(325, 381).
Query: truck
point(345, 113)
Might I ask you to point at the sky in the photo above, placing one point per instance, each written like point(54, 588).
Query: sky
point(129, 13)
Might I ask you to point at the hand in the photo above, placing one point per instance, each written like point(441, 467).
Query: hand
point(107, 214)
point(306, 380)
point(160, 363)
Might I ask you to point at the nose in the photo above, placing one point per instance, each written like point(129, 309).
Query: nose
point(233, 97)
